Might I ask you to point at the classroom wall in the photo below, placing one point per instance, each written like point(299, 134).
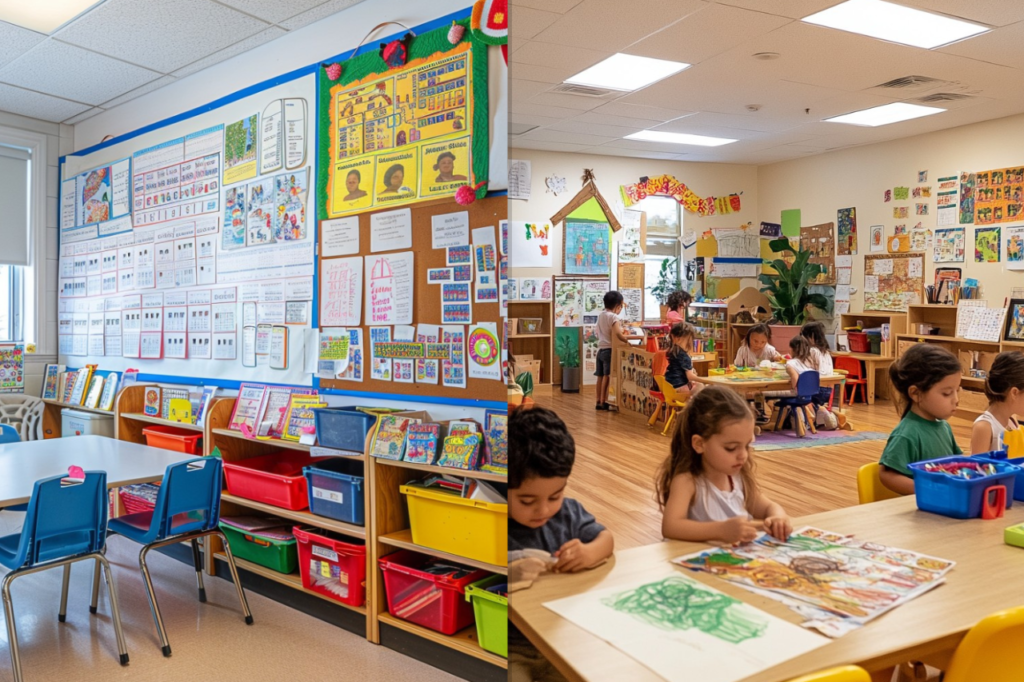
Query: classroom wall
point(819, 185)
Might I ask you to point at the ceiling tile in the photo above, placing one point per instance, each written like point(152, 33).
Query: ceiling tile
point(531, 108)
point(605, 150)
point(526, 22)
point(273, 11)
point(37, 105)
point(317, 13)
point(84, 115)
point(1001, 46)
point(763, 121)
point(556, 99)
point(608, 19)
point(519, 89)
point(560, 6)
point(991, 12)
point(15, 41)
point(621, 121)
point(57, 68)
point(523, 143)
point(794, 9)
point(519, 128)
point(620, 108)
point(702, 35)
point(530, 120)
point(549, 135)
point(575, 125)
point(162, 35)
point(249, 43)
point(560, 56)
point(139, 92)
point(541, 74)
point(684, 125)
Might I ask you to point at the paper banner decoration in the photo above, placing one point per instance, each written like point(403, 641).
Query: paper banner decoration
point(987, 244)
point(484, 351)
point(666, 185)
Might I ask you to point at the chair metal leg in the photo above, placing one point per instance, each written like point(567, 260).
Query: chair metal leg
point(234, 576)
point(165, 645)
point(199, 569)
point(63, 613)
point(12, 634)
point(115, 612)
point(95, 588)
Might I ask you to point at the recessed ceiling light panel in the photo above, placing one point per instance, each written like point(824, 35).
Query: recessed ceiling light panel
point(627, 72)
point(895, 23)
point(885, 114)
point(43, 16)
point(679, 138)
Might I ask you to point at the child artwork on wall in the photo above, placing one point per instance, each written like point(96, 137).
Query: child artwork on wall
point(529, 245)
point(569, 303)
point(949, 245)
point(877, 239)
point(846, 244)
point(1015, 248)
point(987, 244)
point(586, 249)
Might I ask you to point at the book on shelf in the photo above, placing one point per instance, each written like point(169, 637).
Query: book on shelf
point(129, 378)
point(389, 442)
point(170, 394)
point(94, 392)
point(271, 414)
point(151, 401)
point(51, 381)
point(300, 419)
point(78, 388)
point(460, 451)
point(421, 443)
point(179, 410)
point(496, 442)
point(205, 398)
point(246, 404)
point(109, 392)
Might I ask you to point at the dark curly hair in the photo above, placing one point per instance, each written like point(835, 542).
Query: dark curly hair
point(922, 366)
point(539, 446)
point(678, 299)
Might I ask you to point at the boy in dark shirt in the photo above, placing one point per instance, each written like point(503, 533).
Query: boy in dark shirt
point(541, 457)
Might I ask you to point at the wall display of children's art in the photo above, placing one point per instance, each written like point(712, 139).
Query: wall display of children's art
point(999, 196)
point(529, 245)
point(949, 244)
point(899, 242)
point(534, 289)
point(987, 244)
point(819, 240)
point(630, 276)
point(1015, 321)
point(593, 299)
point(968, 182)
point(666, 185)
point(632, 237)
point(878, 239)
point(589, 354)
point(395, 135)
point(1015, 248)
point(569, 301)
point(893, 281)
point(183, 217)
point(846, 242)
point(586, 248)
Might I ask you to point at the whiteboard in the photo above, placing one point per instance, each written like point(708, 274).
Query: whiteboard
point(201, 232)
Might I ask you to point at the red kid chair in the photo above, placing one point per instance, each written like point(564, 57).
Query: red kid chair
point(854, 377)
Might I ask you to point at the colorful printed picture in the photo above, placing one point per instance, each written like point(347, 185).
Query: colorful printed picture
point(533, 289)
point(586, 249)
point(846, 243)
point(291, 190)
point(259, 224)
point(967, 185)
point(240, 141)
point(949, 245)
point(94, 201)
point(234, 218)
point(877, 239)
point(1015, 248)
point(987, 244)
point(1015, 321)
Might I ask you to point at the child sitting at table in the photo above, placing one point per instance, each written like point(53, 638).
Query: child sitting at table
point(542, 453)
point(756, 347)
point(679, 372)
point(927, 379)
point(821, 355)
point(800, 362)
point(1004, 388)
point(677, 303)
point(706, 488)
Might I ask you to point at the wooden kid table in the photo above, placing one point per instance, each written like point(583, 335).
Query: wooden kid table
point(872, 363)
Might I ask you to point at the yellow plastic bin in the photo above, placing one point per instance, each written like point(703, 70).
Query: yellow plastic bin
point(468, 528)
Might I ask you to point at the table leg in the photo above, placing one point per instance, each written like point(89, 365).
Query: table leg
point(871, 371)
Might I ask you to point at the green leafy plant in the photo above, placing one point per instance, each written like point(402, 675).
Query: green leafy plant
point(668, 280)
point(787, 289)
point(568, 353)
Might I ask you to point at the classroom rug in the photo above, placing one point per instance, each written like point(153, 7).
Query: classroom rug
point(787, 439)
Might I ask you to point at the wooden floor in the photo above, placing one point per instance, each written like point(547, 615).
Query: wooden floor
point(617, 457)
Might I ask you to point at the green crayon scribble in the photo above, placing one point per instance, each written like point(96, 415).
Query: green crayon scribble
point(679, 604)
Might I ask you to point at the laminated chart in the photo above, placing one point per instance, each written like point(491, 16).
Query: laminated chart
point(96, 203)
point(178, 178)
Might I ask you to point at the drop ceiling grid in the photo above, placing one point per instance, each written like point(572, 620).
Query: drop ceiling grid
point(14, 41)
point(273, 11)
point(238, 48)
point(529, 22)
point(614, 24)
point(38, 105)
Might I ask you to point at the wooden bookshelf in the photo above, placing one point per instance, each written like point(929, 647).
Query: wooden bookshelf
point(403, 540)
point(541, 345)
point(464, 641)
point(52, 422)
point(875, 318)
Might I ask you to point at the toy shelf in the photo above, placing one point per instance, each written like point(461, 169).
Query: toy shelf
point(300, 517)
point(289, 579)
point(537, 345)
point(433, 468)
point(403, 540)
point(464, 641)
point(52, 418)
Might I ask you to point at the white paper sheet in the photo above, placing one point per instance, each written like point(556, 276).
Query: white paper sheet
point(391, 230)
point(341, 237)
point(341, 292)
point(389, 288)
point(449, 229)
point(519, 179)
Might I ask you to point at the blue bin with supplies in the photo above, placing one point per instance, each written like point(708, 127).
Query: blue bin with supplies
point(960, 498)
point(336, 490)
point(1018, 488)
point(343, 428)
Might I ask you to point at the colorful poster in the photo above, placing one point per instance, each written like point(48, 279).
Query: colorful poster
point(967, 187)
point(568, 302)
point(484, 351)
point(180, 177)
point(1015, 248)
point(290, 205)
point(259, 222)
point(534, 289)
point(893, 281)
point(593, 299)
point(589, 354)
point(949, 245)
point(233, 236)
point(529, 245)
point(12, 368)
point(240, 150)
point(453, 369)
point(631, 249)
point(846, 244)
point(380, 368)
point(999, 196)
point(877, 239)
point(987, 244)
point(586, 249)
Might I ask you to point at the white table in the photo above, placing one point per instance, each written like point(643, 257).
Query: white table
point(22, 464)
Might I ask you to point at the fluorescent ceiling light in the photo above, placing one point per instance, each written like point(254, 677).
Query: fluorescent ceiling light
point(895, 23)
point(43, 16)
point(627, 72)
point(885, 114)
point(679, 138)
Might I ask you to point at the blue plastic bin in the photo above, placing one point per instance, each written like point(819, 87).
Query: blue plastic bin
point(336, 490)
point(343, 428)
point(960, 498)
point(1000, 455)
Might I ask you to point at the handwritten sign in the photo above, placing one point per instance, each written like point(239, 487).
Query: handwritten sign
point(341, 292)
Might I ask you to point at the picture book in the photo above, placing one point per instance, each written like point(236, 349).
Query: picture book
point(271, 414)
point(179, 410)
point(92, 396)
point(167, 396)
point(151, 400)
point(51, 381)
point(460, 451)
point(109, 392)
point(207, 396)
point(62, 386)
point(421, 444)
point(461, 428)
point(248, 402)
point(389, 443)
point(496, 442)
point(299, 416)
point(129, 378)
point(78, 388)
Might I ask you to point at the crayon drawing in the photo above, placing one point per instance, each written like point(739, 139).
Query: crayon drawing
point(586, 249)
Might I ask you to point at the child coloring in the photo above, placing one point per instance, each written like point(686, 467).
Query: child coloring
point(706, 488)
point(756, 347)
point(679, 373)
point(1004, 388)
point(927, 379)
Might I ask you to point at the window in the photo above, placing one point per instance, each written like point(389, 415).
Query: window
point(664, 233)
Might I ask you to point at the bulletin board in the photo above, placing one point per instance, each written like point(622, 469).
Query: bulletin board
point(427, 301)
point(893, 281)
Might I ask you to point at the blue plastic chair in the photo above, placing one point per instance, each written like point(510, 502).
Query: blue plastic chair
point(65, 524)
point(187, 508)
point(9, 434)
point(807, 386)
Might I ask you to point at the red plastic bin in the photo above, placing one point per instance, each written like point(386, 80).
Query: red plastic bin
point(171, 438)
point(332, 567)
point(273, 479)
point(437, 602)
point(858, 342)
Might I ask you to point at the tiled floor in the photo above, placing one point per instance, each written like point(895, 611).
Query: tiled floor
point(210, 641)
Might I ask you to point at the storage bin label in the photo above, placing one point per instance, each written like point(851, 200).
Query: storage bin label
point(325, 553)
point(329, 495)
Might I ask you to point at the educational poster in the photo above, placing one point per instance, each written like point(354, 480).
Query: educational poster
point(568, 302)
point(484, 351)
point(96, 203)
point(529, 245)
point(407, 133)
point(630, 276)
point(633, 305)
point(685, 630)
point(453, 368)
point(586, 249)
point(12, 368)
point(740, 242)
point(630, 237)
point(177, 178)
point(589, 354)
point(846, 243)
point(241, 143)
point(949, 245)
point(987, 244)
point(999, 196)
point(877, 239)
point(865, 580)
point(1015, 248)
point(967, 197)
point(593, 299)
point(893, 281)
point(818, 239)
point(946, 202)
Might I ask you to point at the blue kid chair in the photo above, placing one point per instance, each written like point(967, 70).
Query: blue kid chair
point(64, 524)
point(807, 386)
point(187, 508)
point(9, 434)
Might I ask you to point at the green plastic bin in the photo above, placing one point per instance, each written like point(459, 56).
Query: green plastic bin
point(279, 555)
point(491, 611)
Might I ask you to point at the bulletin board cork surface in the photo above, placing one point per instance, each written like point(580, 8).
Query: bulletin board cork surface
point(427, 300)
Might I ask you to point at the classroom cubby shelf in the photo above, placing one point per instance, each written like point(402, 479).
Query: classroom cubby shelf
point(403, 540)
point(482, 475)
point(292, 580)
point(464, 641)
point(301, 517)
point(52, 418)
point(157, 420)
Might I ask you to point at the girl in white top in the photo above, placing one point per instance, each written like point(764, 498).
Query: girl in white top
point(756, 347)
point(706, 487)
point(821, 358)
point(802, 361)
point(1005, 390)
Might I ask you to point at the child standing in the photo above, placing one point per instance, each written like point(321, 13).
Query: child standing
point(540, 517)
point(677, 303)
point(609, 327)
point(679, 373)
point(756, 347)
point(927, 378)
point(706, 488)
point(1005, 390)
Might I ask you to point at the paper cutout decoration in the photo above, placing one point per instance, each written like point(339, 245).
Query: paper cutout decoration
point(666, 185)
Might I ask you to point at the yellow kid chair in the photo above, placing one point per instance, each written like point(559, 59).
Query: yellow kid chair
point(991, 650)
point(674, 401)
point(869, 485)
point(846, 673)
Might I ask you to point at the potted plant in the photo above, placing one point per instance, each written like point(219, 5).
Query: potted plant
point(668, 282)
point(788, 291)
point(569, 358)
